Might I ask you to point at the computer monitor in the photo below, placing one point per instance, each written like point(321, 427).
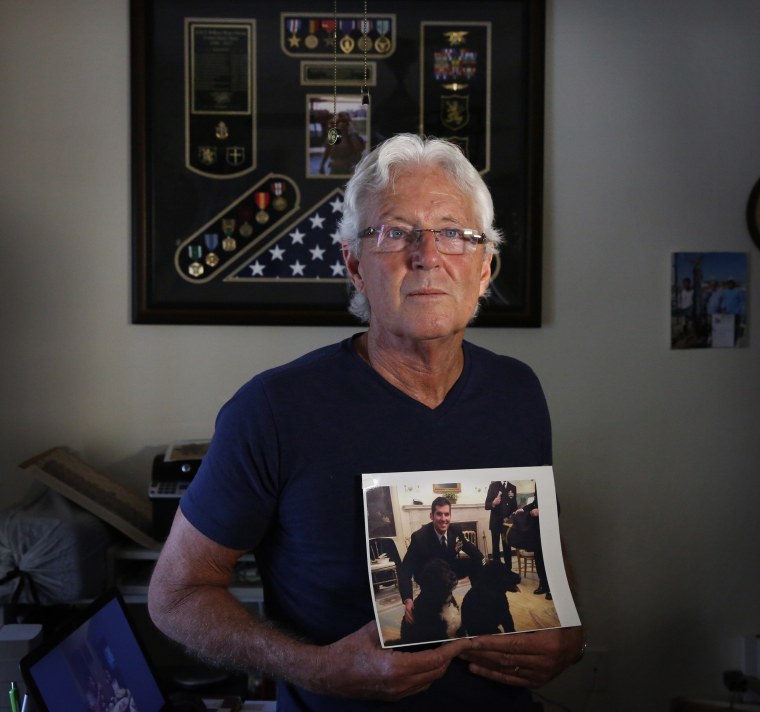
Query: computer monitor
point(94, 662)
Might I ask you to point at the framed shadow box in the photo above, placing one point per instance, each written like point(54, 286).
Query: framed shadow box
point(235, 192)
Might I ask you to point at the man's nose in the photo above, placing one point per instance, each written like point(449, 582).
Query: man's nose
point(424, 250)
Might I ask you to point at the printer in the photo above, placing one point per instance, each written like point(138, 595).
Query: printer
point(171, 474)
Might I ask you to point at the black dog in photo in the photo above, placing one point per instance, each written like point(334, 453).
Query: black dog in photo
point(436, 612)
point(485, 608)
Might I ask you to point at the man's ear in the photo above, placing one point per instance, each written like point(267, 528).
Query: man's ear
point(353, 268)
point(485, 273)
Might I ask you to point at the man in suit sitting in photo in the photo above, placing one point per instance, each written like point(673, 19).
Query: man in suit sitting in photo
point(440, 539)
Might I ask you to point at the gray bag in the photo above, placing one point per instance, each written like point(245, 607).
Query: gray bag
point(51, 550)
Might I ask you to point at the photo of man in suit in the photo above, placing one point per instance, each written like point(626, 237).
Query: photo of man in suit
point(501, 499)
point(440, 539)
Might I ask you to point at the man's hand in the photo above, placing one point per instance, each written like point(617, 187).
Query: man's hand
point(358, 667)
point(409, 610)
point(190, 600)
point(529, 659)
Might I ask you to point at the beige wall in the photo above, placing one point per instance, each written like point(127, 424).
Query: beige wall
point(652, 145)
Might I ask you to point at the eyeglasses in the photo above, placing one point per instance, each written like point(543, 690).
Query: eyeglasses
point(448, 240)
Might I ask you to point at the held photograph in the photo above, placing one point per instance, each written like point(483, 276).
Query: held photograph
point(476, 557)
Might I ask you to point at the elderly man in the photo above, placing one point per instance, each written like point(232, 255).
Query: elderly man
point(282, 476)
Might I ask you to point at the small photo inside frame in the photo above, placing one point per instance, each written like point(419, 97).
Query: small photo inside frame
point(425, 590)
point(351, 120)
point(708, 300)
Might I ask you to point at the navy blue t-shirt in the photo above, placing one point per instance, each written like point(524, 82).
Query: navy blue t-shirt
point(282, 477)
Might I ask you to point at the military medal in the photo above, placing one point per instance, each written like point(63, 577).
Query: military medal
point(221, 131)
point(279, 203)
point(207, 155)
point(329, 27)
point(235, 155)
point(365, 43)
point(194, 252)
point(195, 269)
point(295, 27)
point(383, 43)
point(262, 202)
point(456, 37)
point(211, 240)
point(311, 40)
point(229, 244)
point(347, 43)
point(245, 215)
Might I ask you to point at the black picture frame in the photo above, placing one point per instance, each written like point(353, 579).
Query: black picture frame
point(753, 214)
point(204, 73)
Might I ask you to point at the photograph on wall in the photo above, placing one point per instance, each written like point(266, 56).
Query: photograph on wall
point(708, 300)
point(479, 557)
point(237, 191)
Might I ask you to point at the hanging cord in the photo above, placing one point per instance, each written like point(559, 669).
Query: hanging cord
point(333, 135)
point(365, 93)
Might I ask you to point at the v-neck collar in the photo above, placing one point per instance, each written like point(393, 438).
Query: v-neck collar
point(449, 399)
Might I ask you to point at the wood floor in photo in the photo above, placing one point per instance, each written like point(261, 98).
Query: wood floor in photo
point(529, 611)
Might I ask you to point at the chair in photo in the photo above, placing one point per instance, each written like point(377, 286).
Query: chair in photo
point(524, 559)
point(509, 550)
point(472, 537)
point(384, 560)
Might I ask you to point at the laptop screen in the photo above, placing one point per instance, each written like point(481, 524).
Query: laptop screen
point(96, 662)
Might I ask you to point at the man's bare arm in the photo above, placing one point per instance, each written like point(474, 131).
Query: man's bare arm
point(189, 601)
